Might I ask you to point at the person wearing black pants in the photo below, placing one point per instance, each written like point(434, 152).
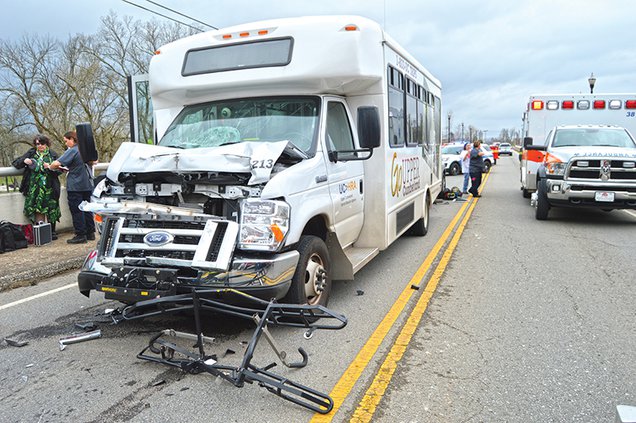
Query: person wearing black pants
point(79, 186)
point(476, 168)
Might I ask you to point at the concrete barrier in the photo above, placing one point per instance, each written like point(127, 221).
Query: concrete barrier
point(12, 207)
point(12, 203)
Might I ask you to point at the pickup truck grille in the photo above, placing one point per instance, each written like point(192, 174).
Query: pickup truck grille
point(623, 170)
point(183, 242)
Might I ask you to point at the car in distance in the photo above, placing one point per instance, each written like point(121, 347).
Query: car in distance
point(505, 148)
point(451, 158)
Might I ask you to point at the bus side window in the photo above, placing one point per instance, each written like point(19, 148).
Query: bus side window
point(339, 136)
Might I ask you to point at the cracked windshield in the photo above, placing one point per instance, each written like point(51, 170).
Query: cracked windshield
point(294, 119)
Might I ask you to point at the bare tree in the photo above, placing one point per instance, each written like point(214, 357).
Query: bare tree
point(49, 86)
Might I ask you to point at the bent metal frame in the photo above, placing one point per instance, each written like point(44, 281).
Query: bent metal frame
point(263, 313)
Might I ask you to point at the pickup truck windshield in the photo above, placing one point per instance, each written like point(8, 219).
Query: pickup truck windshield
point(263, 119)
point(594, 137)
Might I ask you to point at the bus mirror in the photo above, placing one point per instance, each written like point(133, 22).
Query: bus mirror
point(527, 141)
point(86, 142)
point(368, 127)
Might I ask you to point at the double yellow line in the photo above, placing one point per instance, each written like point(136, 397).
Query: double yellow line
point(366, 408)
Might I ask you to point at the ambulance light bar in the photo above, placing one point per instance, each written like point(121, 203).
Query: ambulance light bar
point(582, 104)
point(599, 104)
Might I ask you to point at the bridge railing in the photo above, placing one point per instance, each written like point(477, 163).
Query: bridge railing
point(12, 201)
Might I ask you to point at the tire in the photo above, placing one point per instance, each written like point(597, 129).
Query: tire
point(454, 169)
point(526, 193)
point(487, 166)
point(420, 227)
point(440, 196)
point(311, 283)
point(543, 206)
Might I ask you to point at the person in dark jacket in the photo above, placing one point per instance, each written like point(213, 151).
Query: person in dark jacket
point(476, 168)
point(79, 186)
point(40, 185)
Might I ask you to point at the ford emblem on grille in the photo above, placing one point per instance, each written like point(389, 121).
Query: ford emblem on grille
point(605, 170)
point(158, 238)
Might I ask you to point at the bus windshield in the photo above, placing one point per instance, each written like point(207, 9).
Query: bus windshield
point(262, 119)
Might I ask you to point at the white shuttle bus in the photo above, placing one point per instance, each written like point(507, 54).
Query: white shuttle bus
point(288, 153)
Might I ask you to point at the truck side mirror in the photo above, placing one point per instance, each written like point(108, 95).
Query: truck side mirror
point(368, 126)
point(86, 142)
point(527, 141)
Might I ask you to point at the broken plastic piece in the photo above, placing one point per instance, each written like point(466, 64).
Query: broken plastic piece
point(73, 339)
point(15, 343)
point(86, 326)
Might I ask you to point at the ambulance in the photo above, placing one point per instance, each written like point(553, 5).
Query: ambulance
point(287, 153)
point(546, 111)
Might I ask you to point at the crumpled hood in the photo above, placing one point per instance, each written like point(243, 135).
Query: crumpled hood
point(236, 158)
point(564, 154)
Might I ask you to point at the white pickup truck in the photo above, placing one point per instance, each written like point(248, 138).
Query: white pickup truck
point(586, 166)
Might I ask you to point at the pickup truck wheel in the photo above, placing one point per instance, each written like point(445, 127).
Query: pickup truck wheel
point(311, 283)
point(420, 227)
point(454, 169)
point(543, 206)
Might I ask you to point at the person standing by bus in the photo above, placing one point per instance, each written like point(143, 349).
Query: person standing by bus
point(464, 159)
point(79, 186)
point(476, 168)
point(40, 186)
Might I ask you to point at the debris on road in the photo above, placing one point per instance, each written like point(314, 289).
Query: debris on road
point(75, 338)
point(14, 343)
point(263, 313)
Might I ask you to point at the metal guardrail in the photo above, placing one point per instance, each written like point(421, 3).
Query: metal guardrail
point(12, 201)
point(12, 171)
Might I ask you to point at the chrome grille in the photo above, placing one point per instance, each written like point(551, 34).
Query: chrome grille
point(621, 170)
point(191, 242)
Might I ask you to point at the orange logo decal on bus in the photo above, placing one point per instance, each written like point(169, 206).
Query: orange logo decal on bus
point(405, 175)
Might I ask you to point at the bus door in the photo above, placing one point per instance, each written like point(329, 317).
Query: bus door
point(345, 177)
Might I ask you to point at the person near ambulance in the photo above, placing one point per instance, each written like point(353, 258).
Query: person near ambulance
point(79, 185)
point(464, 159)
point(476, 168)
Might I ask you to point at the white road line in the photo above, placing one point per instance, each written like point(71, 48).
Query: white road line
point(631, 212)
point(43, 294)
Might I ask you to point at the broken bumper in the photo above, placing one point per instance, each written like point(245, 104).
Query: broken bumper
point(263, 278)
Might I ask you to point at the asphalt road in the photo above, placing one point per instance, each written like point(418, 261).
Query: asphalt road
point(531, 321)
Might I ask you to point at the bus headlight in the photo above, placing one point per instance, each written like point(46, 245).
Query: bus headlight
point(264, 224)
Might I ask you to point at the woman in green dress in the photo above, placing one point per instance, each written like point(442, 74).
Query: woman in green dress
point(40, 185)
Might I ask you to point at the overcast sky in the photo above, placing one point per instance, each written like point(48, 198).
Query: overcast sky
point(489, 54)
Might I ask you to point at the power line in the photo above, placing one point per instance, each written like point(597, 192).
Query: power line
point(163, 16)
point(181, 14)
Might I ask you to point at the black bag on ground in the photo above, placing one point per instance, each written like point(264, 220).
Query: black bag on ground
point(11, 237)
